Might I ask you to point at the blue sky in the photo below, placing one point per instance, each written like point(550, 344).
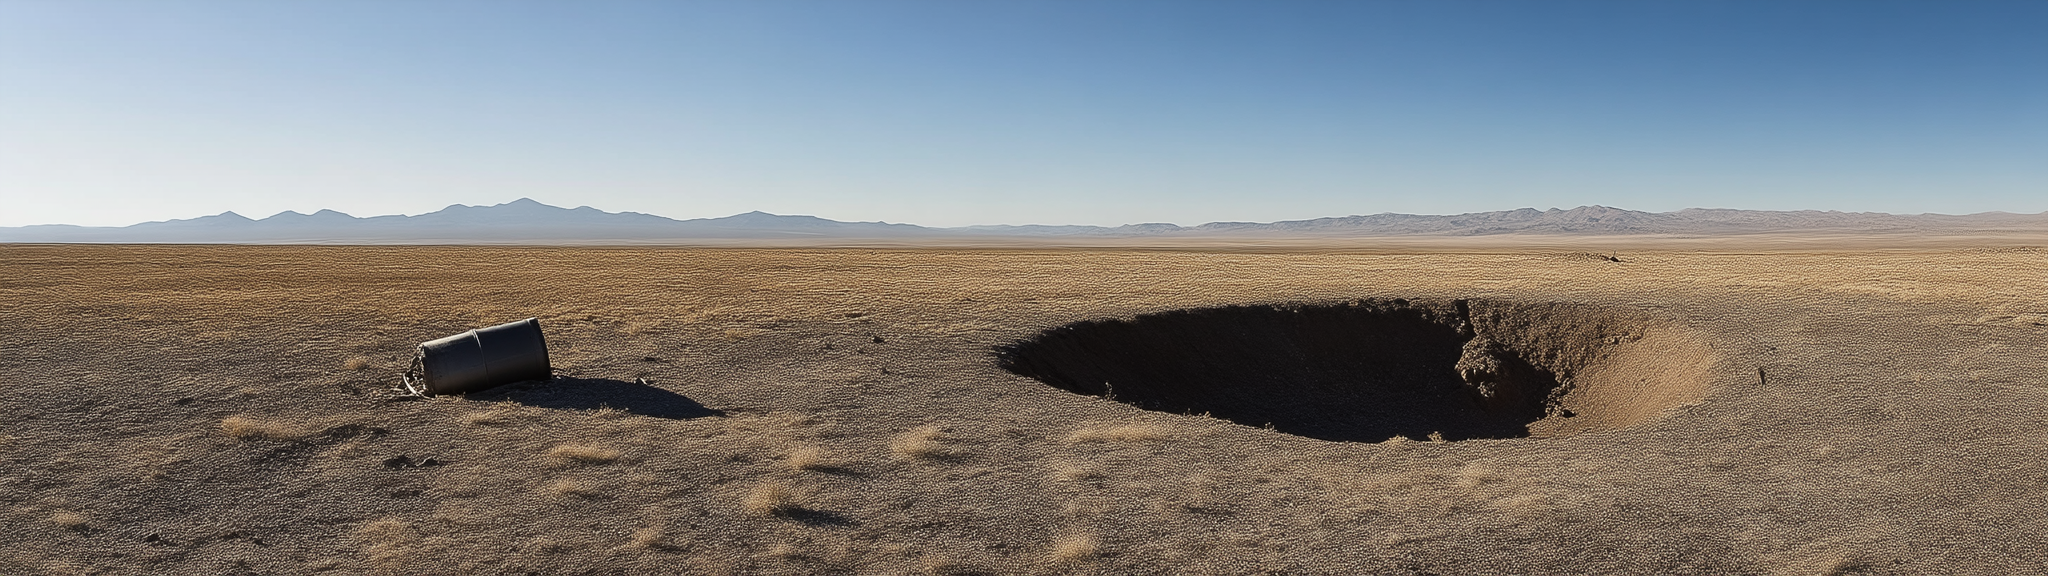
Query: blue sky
point(1083, 112)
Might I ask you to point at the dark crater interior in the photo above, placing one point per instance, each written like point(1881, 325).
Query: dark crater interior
point(1363, 371)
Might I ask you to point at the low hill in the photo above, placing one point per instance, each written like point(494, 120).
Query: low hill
point(529, 222)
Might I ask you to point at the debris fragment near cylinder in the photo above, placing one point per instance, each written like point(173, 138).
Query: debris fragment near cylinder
point(480, 359)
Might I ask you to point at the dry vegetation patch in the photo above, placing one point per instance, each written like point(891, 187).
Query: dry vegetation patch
point(923, 443)
point(69, 520)
point(649, 538)
point(568, 488)
point(488, 418)
point(1121, 433)
point(388, 542)
point(572, 454)
point(1075, 548)
point(811, 459)
point(773, 499)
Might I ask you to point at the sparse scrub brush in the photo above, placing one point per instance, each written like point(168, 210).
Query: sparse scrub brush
point(68, 520)
point(572, 488)
point(649, 538)
point(1074, 548)
point(247, 428)
point(569, 454)
point(922, 443)
point(810, 458)
point(772, 499)
point(1121, 433)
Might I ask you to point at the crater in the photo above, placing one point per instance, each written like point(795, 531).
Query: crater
point(1374, 370)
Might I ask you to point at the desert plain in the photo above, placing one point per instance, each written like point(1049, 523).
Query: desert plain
point(1675, 407)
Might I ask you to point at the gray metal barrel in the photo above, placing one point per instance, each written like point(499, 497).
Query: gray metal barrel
point(480, 359)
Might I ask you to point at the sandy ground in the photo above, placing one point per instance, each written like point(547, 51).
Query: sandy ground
point(225, 410)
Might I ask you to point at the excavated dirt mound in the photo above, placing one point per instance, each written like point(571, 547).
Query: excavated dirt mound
point(1372, 370)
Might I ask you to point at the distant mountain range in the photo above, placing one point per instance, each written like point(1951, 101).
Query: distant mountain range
point(527, 221)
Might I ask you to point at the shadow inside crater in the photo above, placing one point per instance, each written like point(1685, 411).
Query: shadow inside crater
point(594, 393)
point(1362, 371)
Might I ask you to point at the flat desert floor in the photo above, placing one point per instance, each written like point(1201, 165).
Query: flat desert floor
point(1684, 409)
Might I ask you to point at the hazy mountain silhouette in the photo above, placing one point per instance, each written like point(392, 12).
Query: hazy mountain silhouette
point(527, 221)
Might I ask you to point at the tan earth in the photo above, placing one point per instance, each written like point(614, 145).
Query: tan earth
point(1548, 406)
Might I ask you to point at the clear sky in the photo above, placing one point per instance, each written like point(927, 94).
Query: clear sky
point(987, 111)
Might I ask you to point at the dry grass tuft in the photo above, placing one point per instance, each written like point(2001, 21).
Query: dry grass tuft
point(785, 551)
point(68, 520)
point(1074, 548)
point(1121, 433)
point(491, 418)
point(922, 443)
point(355, 363)
point(649, 538)
point(942, 565)
point(1071, 472)
point(386, 530)
point(572, 489)
point(569, 454)
point(389, 542)
point(772, 499)
point(247, 428)
point(811, 458)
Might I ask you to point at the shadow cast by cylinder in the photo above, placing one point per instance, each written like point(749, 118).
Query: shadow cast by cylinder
point(597, 393)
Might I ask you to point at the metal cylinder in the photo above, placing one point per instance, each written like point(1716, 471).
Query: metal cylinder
point(483, 358)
